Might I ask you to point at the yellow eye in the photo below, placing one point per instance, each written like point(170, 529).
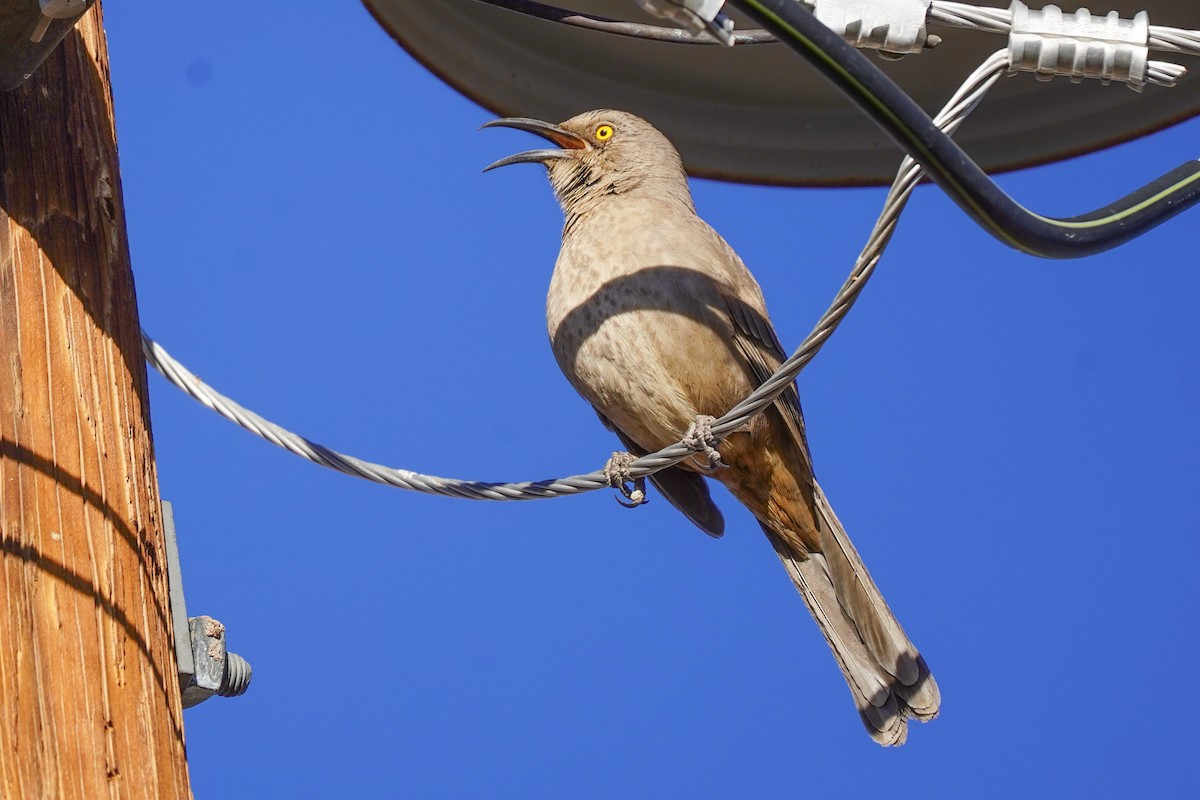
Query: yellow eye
point(604, 133)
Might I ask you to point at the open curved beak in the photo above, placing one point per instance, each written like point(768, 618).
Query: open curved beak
point(566, 141)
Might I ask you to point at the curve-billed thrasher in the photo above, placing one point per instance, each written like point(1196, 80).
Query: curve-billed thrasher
point(656, 322)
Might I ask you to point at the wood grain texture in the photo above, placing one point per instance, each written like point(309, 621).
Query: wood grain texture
point(89, 698)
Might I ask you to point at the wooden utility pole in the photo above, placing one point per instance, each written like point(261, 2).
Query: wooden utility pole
point(89, 697)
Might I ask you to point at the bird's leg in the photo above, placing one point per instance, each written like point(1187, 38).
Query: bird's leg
point(699, 437)
point(616, 472)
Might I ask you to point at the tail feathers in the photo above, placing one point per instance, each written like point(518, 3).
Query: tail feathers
point(888, 679)
point(877, 625)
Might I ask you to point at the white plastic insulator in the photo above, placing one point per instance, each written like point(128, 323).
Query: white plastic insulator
point(891, 26)
point(1079, 45)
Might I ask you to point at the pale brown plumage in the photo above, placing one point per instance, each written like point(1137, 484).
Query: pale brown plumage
point(654, 320)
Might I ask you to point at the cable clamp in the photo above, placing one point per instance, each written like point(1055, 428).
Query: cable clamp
point(1081, 45)
point(694, 15)
point(893, 27)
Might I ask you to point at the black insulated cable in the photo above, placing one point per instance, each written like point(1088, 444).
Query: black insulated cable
point(952, 169)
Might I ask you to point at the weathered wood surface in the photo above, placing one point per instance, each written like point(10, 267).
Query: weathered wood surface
point(89, 699)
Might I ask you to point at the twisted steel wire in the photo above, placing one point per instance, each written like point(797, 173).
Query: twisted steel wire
point(952, 115)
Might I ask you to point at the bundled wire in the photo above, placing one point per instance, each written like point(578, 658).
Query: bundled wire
point(953, 170)
point(943, 12)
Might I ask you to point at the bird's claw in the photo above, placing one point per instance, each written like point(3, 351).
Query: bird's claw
point(699, 437)
point(616, 472)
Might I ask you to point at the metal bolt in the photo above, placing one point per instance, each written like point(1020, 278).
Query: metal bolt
point(214, 669)
point(206, 667)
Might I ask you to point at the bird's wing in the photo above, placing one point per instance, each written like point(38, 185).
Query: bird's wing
point(685, 490)
point(756, 340)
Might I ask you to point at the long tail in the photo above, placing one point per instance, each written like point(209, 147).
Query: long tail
point(887, 676)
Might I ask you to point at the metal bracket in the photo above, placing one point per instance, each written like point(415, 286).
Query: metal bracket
point(206, 667)
point(29, 31)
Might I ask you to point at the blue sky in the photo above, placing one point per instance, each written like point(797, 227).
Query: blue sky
point(1011, 442)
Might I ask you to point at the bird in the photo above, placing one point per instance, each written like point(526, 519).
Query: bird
point(658, 324)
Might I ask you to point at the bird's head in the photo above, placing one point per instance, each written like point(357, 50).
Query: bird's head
point(599, 153)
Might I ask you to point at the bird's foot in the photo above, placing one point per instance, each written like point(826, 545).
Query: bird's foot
point(699, 437)
point(616, 472)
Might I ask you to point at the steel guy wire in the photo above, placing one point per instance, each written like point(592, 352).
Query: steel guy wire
point(956, 110)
